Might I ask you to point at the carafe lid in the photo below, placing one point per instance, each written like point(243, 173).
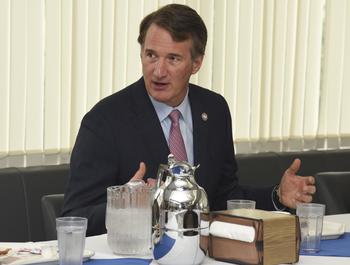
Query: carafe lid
point(180, 168)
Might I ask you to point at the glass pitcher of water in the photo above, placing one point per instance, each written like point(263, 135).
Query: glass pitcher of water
point(128, 218)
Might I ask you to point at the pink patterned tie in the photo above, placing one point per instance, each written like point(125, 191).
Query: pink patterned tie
point(176, 142)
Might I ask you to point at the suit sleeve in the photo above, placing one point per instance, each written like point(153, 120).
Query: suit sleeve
point(93, 168)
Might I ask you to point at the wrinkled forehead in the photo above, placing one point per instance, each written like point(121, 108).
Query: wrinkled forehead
point(158, 37)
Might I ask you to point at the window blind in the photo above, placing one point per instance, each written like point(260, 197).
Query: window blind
point(281, 65)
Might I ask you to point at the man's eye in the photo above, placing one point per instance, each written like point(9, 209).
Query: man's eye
point(174, 59)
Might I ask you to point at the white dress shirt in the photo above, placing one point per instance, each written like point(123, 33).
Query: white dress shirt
point(185, 121)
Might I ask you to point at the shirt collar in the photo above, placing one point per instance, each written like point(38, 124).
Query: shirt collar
point(163, 110)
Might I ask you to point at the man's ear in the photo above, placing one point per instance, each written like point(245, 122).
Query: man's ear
point(197, 63)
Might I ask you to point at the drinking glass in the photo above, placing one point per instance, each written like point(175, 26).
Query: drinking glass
point(311, 222)
point(71, 239)
point(240, 204)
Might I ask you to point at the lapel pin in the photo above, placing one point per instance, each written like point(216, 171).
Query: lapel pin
point(204, 116)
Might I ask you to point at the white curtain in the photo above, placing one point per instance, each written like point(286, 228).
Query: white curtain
point(280, 64)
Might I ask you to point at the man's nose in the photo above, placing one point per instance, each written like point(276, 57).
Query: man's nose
point(160, 69)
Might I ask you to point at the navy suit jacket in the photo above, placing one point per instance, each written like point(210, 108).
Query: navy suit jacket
point(123, 129)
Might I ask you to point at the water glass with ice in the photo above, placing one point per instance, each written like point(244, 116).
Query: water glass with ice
point(311, 222)
point(129, 218)
point(71, 233)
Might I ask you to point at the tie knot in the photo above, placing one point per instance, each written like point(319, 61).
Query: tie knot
point(174, 116)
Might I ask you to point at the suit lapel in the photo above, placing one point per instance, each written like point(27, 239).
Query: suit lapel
point(200, 128)
point(147, 123)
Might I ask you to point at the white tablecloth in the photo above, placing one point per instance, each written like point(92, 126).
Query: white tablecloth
point(100, 246)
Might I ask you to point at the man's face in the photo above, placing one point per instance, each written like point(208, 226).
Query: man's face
point(167, 66)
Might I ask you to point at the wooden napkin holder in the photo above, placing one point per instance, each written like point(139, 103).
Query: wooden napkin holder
point(276, 239)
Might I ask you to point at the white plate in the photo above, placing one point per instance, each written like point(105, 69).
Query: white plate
point(332, 230)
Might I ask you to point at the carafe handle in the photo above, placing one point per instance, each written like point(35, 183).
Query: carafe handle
point(162, 172)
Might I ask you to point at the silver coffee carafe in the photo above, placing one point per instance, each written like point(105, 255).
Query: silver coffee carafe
point(179, 216)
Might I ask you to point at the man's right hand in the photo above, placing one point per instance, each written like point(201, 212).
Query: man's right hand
point(140, 173)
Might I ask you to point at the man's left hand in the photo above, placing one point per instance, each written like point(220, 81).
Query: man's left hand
point(294, 189)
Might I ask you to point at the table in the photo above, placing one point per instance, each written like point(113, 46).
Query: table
point(100, 246)
point(102, 250)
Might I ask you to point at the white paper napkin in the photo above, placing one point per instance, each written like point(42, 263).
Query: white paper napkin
point(232, 231)
point(331, 230)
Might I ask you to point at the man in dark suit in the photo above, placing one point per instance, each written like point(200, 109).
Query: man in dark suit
point(129, 130)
